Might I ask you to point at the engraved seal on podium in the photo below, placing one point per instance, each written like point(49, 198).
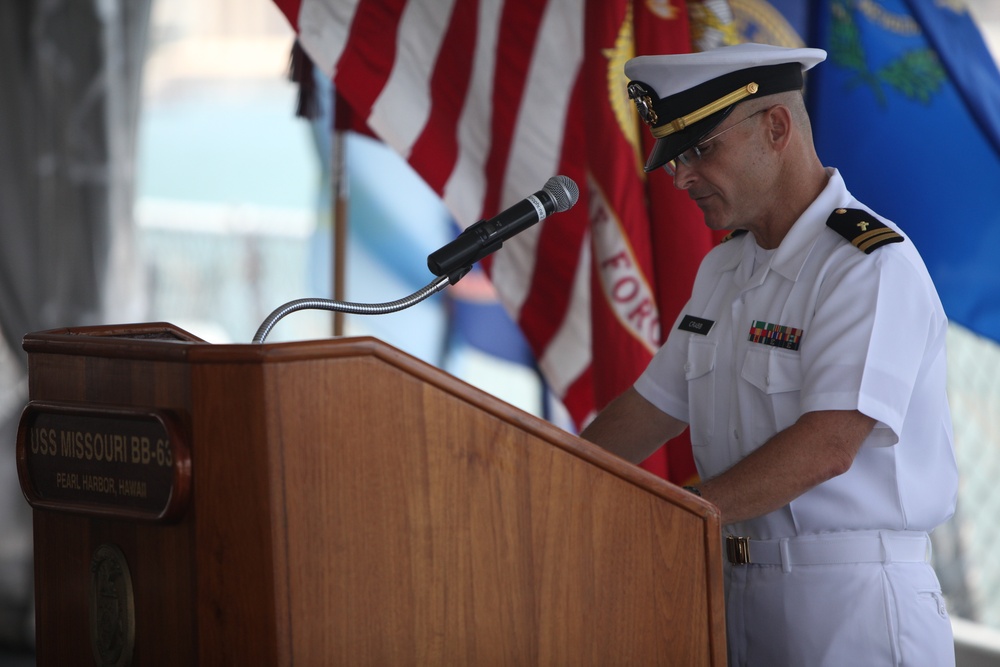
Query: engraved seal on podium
point(112, 608)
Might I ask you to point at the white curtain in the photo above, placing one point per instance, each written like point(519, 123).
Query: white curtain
point(70, 78)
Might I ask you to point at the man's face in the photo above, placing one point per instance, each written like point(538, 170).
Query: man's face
point(725, 178)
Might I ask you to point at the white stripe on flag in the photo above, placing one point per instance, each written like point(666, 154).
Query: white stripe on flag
point(466, 187)
point(323, 29)
point(538, 138)
point(541, 120)
point(422, 29)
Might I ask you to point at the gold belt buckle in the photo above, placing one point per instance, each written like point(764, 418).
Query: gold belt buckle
point(738, 549)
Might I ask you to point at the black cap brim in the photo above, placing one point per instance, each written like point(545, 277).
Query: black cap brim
point(669, 147)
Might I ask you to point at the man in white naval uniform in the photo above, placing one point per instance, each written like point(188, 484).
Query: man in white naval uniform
point(809, 364)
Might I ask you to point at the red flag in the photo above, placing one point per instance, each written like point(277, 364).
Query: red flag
point(648, 236)
point(487, 99)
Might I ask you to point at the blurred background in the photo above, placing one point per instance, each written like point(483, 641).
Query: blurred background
point(219, 200)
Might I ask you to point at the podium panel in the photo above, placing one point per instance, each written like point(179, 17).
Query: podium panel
point(339, 502)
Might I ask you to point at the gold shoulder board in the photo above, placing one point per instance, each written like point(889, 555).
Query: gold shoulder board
point(862, 229)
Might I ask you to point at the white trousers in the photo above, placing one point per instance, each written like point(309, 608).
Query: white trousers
point(867, 614)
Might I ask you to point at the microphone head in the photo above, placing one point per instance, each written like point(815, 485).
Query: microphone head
point(563, 191)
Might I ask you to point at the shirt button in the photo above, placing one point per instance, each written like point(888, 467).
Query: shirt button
point(736, 434)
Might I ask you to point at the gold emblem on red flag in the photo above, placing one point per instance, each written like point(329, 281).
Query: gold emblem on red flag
point(662, 8)
point(621, 105)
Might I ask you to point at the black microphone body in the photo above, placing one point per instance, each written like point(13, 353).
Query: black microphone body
point(487, 236)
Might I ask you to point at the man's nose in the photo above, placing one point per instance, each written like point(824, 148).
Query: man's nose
point(684, 176)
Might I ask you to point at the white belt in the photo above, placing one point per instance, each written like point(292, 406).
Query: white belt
point(869, 546)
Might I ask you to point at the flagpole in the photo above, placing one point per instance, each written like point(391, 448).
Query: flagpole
point(338, 214)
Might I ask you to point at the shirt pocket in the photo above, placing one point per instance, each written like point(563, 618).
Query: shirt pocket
point(777, 374)
point(699, 371)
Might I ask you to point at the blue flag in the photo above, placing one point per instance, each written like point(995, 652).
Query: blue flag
point(907, 106)
point(966, 59)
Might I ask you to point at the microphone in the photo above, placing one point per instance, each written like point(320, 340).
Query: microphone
point(487, 236)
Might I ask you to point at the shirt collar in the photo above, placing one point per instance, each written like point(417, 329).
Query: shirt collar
point(791, 255)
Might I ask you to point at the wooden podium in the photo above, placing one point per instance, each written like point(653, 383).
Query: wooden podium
point(339, 502)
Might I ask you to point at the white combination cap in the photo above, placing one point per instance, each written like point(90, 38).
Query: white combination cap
point(683, 97)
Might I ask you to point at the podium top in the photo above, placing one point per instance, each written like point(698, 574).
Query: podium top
point(162, 341)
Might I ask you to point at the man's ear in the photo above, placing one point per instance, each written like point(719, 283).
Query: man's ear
point(779, 126)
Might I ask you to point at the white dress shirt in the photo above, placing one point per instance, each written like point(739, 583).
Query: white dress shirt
point(842, 330)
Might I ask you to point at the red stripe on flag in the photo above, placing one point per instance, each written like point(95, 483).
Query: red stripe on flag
point(436, 150)
point(519, 24)
point(290, 8)
point(557, 256)
point(559, 247)
point(368, 57)
point(578, 398)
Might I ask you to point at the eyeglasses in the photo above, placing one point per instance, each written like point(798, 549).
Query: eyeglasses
point(691, 156)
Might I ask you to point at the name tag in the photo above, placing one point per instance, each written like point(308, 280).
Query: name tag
point(697, 325)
